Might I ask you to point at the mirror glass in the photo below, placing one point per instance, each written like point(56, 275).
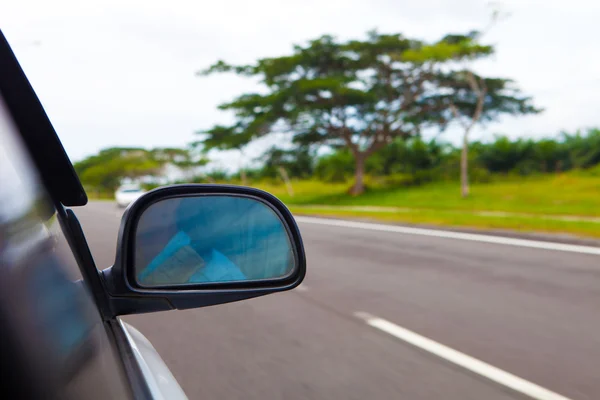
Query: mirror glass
point(210, 239)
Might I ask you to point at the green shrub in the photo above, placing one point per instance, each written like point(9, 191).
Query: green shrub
point(398, 180)
point(335, 167)
point(479, 175)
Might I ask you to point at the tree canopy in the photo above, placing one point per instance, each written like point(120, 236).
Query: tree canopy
point(360, 94)
point(105, 170)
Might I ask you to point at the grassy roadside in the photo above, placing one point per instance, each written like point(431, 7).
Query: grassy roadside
point(541, 224)
point(565, 194)
point(567, 203)
point(563, 203)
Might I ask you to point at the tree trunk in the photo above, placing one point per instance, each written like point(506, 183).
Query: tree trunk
point(243, 177)
point(286, 180)
point(464, 168)
point(359, 173)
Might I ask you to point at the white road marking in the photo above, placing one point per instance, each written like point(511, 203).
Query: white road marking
point(463, 360)
point(302, 288)
point(536, 244)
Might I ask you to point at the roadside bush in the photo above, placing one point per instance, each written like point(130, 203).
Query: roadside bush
point(479, 175)
point(389, 181)
point(335, 167)
point(594, 171)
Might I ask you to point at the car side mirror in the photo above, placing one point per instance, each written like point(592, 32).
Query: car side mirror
point(188, 246)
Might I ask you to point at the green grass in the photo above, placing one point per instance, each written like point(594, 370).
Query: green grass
point(564, 194)
point(560, 203)
point(464, 220)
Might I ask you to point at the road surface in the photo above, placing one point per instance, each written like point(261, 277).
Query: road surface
point(531, 313)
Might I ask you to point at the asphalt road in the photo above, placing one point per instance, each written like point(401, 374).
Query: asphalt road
point(531, 312)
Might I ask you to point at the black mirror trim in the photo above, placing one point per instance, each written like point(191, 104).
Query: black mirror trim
point(127, 297)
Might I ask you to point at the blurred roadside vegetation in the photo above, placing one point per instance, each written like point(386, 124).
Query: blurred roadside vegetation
point(353, 112)
point(102, 173)
point(545, 185)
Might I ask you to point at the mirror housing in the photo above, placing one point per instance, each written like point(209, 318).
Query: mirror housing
point(127, 296)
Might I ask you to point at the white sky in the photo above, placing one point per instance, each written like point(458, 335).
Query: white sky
point(121, 72)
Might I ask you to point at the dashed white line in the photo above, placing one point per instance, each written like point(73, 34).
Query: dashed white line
point(452, 235)
point(463, 360)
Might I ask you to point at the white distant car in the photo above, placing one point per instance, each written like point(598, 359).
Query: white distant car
point(126, 195)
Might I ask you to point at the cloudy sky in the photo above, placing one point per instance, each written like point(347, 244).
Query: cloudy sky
point(121, 72)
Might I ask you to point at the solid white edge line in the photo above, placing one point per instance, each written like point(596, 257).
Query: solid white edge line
point(451, 235)
point(463, 360)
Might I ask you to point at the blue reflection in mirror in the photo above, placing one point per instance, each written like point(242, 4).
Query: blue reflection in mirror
point(210, 239)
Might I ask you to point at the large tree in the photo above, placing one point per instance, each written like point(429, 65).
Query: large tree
point(360, 94)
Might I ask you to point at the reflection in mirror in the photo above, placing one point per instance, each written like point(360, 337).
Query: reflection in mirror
point(210, 239)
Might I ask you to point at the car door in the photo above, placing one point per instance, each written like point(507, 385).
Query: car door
point(54, 343)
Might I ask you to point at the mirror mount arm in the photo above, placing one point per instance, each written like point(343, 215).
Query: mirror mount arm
point(122, 303)
point(127, 303)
